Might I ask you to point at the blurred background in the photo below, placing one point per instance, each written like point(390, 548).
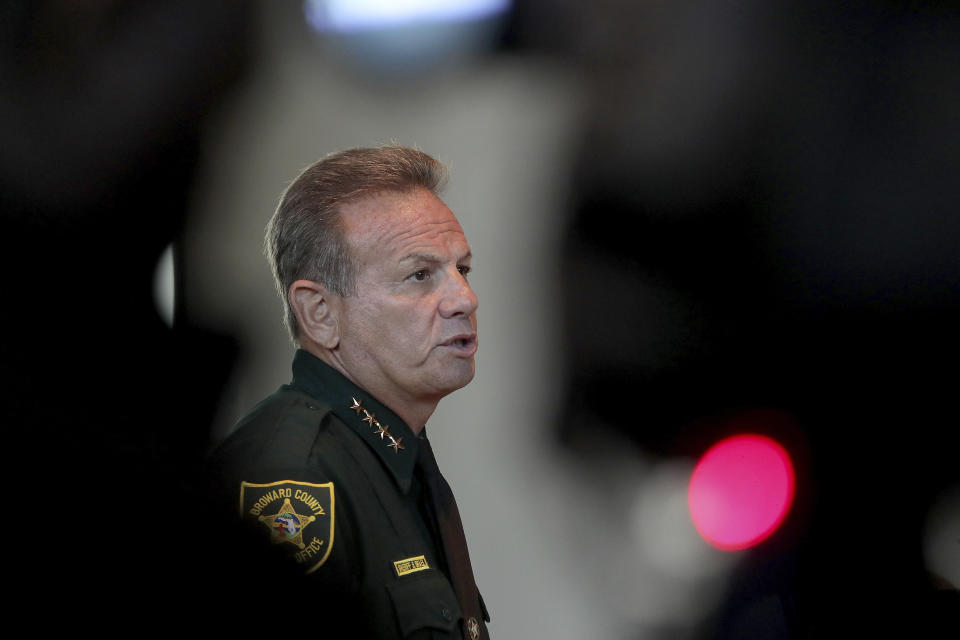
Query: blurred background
point(689, 221)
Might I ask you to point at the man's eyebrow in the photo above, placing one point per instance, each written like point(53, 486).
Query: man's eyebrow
point(428, 257)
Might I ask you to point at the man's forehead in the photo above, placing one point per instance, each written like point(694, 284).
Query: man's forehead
point(399, 218)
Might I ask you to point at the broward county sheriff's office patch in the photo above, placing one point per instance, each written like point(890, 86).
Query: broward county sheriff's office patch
point(298, 514)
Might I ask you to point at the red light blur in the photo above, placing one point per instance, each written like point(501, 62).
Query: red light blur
point(740, 491)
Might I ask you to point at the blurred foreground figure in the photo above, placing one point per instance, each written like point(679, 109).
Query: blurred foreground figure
point(335, 468)
point(106, 409)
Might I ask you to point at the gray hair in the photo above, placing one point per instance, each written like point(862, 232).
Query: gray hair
point(305, 239)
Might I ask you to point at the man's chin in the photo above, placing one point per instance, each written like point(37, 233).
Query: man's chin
point(458, 380)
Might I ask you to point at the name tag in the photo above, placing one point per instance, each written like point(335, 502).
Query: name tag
point(410, 565)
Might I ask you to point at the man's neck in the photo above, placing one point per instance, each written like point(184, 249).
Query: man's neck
point(413, 412)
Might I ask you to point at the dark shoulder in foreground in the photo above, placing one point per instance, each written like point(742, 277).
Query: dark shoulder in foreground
point(276, 436)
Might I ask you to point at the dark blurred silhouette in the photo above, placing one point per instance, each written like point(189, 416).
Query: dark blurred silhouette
point(765, 217)
point(108, 410)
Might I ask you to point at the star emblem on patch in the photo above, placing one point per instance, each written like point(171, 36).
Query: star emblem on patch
point(286, 525)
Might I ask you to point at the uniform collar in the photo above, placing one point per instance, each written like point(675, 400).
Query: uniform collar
point(380, 428)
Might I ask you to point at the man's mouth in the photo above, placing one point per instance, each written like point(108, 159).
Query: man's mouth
point(464, 343)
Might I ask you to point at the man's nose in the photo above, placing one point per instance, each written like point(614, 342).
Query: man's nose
point(458, 297)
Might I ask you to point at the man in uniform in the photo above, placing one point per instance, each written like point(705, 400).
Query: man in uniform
point(335, 468)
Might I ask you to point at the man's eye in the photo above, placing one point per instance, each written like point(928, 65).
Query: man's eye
point(420, 276)
point(464, 270)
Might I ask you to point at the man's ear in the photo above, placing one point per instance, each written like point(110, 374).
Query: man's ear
point(315, 309)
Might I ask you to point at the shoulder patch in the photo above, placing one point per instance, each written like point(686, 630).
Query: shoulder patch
point(299, 514)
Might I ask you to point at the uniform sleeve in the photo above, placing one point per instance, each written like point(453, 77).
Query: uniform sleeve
point(304, 539)
point(290, 508)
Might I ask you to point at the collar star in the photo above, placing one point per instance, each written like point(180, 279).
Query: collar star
point(382, 430)
point(473, 628)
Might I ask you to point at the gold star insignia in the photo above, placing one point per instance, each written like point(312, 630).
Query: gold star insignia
point(286, 525)
point(382, 430)
point(356, 406)
point(473, 628)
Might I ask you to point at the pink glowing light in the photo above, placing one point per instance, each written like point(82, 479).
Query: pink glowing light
point(740, 491)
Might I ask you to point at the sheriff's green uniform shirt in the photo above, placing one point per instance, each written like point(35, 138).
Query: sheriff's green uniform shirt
point(327, 473)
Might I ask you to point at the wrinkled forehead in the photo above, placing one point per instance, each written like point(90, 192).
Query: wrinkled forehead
point(397, 222)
